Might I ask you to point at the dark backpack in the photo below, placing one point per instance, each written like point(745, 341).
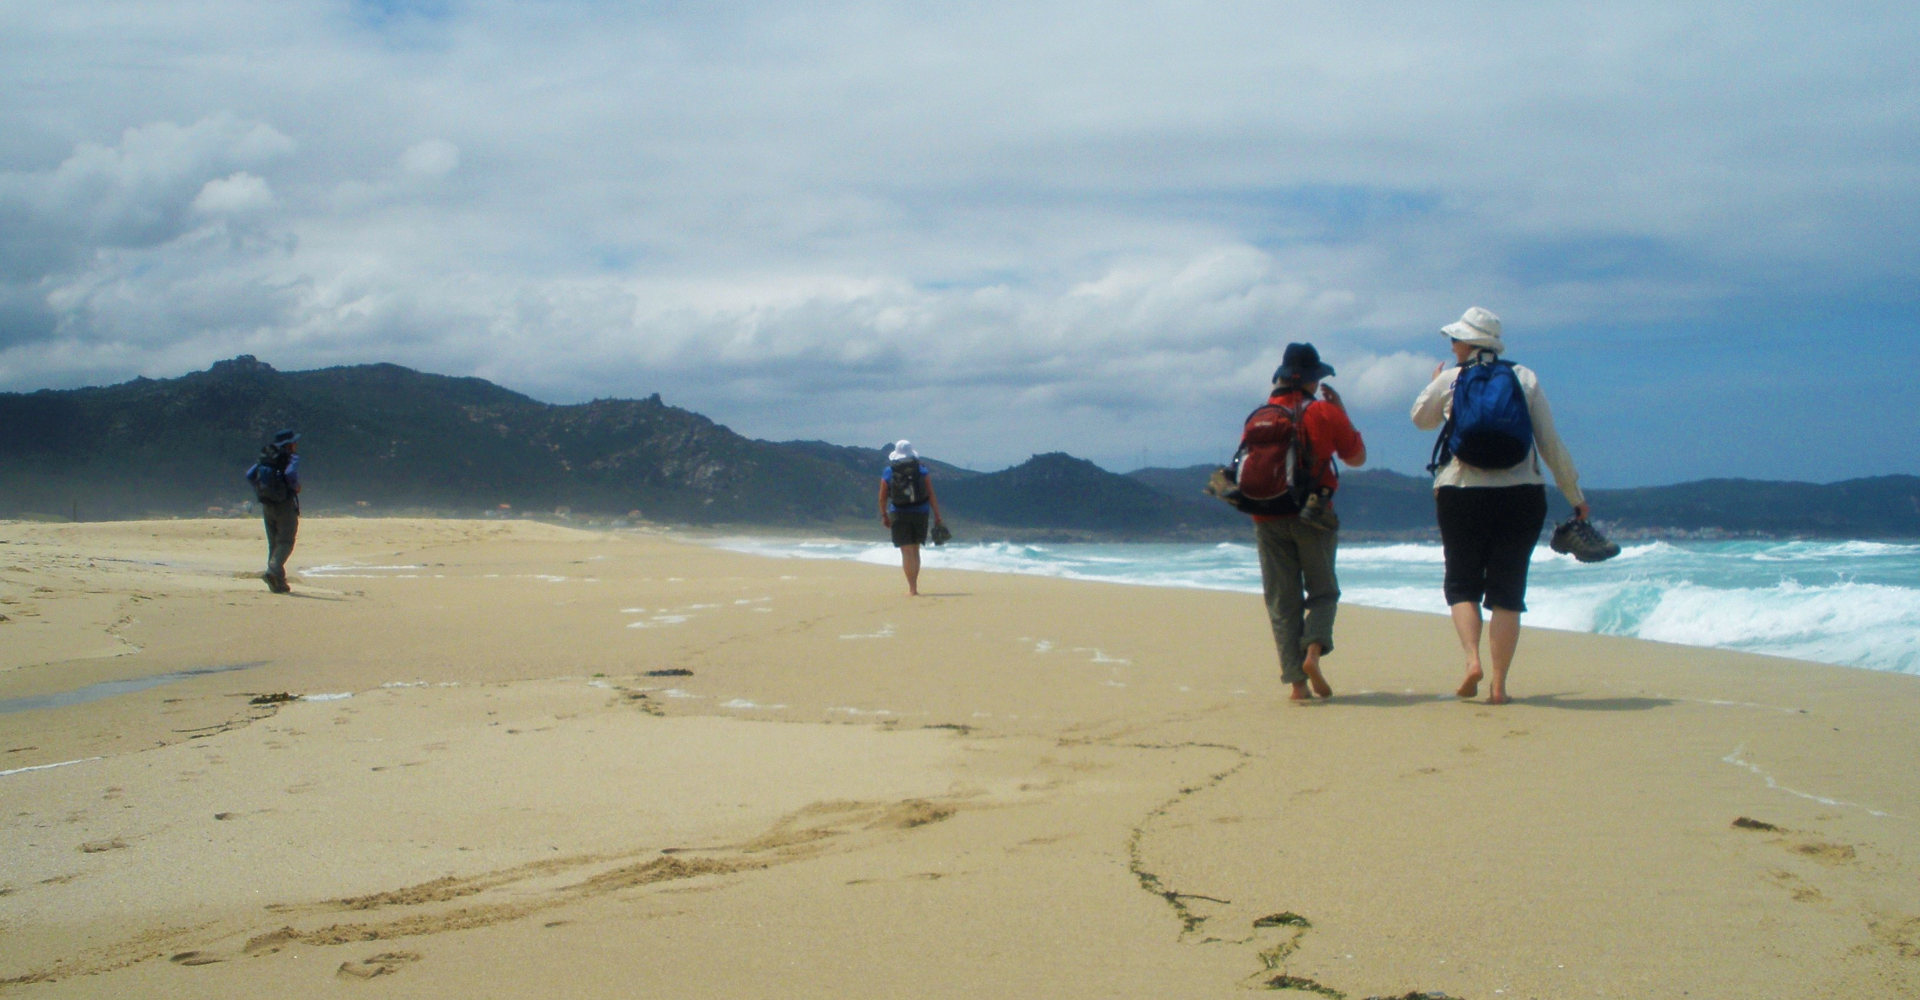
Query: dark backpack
point(269, 477)
point(1489, 426)
point(1274, 467)
point(907, 487)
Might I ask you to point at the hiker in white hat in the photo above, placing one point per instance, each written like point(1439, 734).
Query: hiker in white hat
point(906, 501)
point(1489, 493)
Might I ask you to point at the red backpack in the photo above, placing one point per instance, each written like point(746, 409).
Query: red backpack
point(1274, 466)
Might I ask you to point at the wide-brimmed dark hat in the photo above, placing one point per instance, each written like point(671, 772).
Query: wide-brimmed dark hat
point(1301, 363)
point(283, 438)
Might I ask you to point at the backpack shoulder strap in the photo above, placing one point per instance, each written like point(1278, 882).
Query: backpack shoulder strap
point(1441, 453)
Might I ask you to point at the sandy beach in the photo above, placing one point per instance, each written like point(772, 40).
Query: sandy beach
point(476, 759)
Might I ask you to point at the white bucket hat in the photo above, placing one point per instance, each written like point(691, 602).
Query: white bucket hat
point(902, 450)
point(1478, 327)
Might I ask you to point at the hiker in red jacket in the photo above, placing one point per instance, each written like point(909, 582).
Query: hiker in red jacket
point(1297, 548)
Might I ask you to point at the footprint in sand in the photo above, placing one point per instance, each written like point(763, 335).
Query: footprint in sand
point(195, 958)
point(1819, 850)
point(1797, 887)
point(385, 963)
point(1825, 853)
point(1899, 932)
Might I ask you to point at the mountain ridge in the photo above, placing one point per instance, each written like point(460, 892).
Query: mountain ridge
point(383, 439)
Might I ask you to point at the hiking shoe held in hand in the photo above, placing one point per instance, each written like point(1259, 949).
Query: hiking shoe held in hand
point(1317, 512)
point(1578, 538)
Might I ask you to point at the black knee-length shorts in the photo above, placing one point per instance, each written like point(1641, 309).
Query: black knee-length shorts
point(1488, 534)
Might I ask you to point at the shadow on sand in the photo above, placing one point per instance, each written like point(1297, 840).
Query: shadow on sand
point(1579, 703)
point(1573, 702)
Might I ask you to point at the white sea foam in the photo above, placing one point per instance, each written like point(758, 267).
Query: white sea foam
point(328, 568)
point(49, 767)
point(1412, 553)
point(885, 632)
point(1738, 759)
point(1854, 603)
point(658, 620)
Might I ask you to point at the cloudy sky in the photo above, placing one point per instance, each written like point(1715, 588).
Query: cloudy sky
point(996, 228)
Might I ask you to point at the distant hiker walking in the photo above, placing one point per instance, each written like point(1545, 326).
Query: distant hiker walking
point(1489, 494)
point(276, 484)
point(1285, 478)
point(906, 500)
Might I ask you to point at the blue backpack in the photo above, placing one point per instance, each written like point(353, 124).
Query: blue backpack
point(1489, 426)
point(269, 477)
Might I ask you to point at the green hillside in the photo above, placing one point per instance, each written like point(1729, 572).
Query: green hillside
point(382, 439)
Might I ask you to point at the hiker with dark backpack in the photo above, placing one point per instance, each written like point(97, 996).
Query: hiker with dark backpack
point(906, 500)
point(1489, 494)
point(276, 485)
point(1283, 476)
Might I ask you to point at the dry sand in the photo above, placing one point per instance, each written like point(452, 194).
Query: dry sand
point(532, 761)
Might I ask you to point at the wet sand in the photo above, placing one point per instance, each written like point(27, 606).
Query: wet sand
point(472, 758)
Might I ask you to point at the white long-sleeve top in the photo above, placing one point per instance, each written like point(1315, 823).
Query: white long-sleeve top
point(1436, 401)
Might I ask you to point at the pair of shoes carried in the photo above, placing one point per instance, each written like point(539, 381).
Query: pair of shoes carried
point(1317, 512)
point(1578, 538)
point(940, 534)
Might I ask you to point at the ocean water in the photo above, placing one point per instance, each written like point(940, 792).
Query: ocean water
point(1850, 603)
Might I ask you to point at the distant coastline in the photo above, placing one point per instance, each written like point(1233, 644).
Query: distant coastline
point(389, 441)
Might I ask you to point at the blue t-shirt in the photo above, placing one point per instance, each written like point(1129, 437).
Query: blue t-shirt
point(886, 476)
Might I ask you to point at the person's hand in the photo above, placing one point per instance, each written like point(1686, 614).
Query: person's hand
point(1437, 369)
point(1327, 393)
point(886, 520)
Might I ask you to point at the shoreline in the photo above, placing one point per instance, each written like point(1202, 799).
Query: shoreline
point(616, 764)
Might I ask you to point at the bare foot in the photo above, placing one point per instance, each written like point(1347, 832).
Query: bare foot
point(1300, 693)
point(1314, 677)
point(1496, 697)
point(1470, 686)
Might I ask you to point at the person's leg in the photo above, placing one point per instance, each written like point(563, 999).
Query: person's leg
point(1503, 638)
point(266, 523)
point(909, 533)
point(1466, 625)
point(910, 564)
point(1317, 549)
point(1280, 585)
point(1464, 542)
point(283, 525)
point(286, 552)
point(1521, 513)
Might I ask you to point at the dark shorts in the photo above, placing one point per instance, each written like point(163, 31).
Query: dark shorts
point(1489, 535)
point(910, 528)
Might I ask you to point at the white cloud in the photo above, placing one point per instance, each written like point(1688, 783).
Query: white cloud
point(240, 193)
point(1384, 382)
point(1034, 228)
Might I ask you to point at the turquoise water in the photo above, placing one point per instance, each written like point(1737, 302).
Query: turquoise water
point(1849, 603)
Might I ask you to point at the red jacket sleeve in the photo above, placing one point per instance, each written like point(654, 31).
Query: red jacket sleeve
point(1330, 433)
